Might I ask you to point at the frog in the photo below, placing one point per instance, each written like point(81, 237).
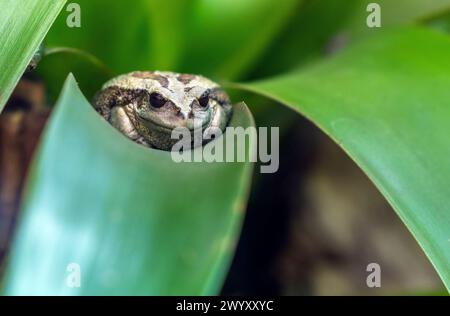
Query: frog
point(147, 106)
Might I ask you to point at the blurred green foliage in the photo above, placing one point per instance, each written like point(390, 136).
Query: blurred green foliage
point(176, 35)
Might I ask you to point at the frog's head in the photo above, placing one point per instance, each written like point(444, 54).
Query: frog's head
point(177, 100)
point(159, 102)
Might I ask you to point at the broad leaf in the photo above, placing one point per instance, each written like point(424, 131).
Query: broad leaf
point(132, 219)
point(23, 25)
point(386, 101)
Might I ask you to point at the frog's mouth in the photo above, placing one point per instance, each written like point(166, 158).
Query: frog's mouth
point(167, 129)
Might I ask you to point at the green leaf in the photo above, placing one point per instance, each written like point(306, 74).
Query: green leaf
point(23, 25)
point(136, 222)
point(385, 101)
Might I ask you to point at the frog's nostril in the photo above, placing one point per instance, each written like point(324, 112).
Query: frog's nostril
point(179, 113)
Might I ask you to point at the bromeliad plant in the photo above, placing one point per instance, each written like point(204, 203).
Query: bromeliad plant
point(136, 222)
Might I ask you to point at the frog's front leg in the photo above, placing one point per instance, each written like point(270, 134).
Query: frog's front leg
point(121, 121)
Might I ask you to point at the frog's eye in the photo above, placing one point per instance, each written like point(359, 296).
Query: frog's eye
point(157, 100)
point(204, 100)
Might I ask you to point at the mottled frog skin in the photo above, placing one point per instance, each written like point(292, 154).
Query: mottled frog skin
point(147, 105)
